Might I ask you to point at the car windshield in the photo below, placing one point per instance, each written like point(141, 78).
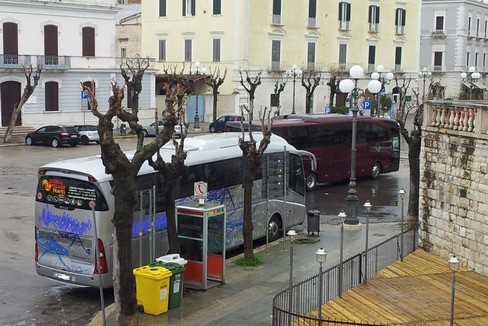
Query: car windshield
point(71, 130)
point(91, 128)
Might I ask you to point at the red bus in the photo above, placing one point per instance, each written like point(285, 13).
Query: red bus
point(329, 138)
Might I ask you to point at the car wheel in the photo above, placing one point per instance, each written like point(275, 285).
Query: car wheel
point(311, 181)
point(85, 140)
point(28, 141)
point(274, 228)
point(55, 143)
point(375, 171)
point(212, 129)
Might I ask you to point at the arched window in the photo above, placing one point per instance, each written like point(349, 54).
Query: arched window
point(88, 41)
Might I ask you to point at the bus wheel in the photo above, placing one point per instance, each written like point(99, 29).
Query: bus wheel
point(375, 171)
point(274, 228)
point(311, 181)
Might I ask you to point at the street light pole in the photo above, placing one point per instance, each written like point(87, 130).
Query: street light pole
point(424, 74)
point(366, 205)
point(453, 266)
point(342, 216)
point(402, 195)
point(291, 233)
point(197, 71)
point(472, 77)
point(294, 72)
point(377, 75)
point(321, 257)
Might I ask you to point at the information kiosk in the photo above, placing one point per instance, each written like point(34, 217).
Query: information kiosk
point(201, 233)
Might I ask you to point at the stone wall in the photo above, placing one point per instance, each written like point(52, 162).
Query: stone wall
point(454, 194)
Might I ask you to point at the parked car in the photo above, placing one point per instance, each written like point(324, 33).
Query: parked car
point(219, 124)
point(150, 130)
point(55, 136)
point(88, 133)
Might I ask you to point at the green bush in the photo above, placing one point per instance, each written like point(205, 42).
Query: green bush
point(340, 109)
point(251, 261)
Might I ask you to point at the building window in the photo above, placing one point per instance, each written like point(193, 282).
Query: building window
point(188, 7)
point(374, 18)
point(275, 55)
point(371, 57)
point(398, 58)
point(123, 53)
point(276, 20)
point(476, 59)
point(312, 13)
point(342, 54)
point(437, 60)
point(217, 7)
point(10, 44)
point(344, 15)
point(484, 60)
point(400, 16)
point(478, 27)
point(50, 45)
point(162, 50)
point(216, 50)
point(162, 8)
point(88, 41)
point(469, 26)
point(89, 84)
point(51, 94)
point(468, 56)
point(311, 56)
point(486, 27)
point(188, 50)
point(439, 23)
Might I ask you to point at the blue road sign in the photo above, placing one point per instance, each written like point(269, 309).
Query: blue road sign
point(84, 95)
point(366, 105)
point(328, 110)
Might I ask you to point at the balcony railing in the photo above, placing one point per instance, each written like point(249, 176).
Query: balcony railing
point(54, 61)
point(469, 118)
point(14, 61)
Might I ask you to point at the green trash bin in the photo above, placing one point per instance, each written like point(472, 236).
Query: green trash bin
point(175, 282)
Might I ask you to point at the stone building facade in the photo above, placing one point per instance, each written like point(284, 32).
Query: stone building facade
point(454, 182)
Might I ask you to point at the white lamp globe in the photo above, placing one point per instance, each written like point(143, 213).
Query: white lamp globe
point(375, 76)
point(464, 75)
point(475, 75)
point(356, 71)
point(389, 76)
point(346, 85)
point(380, 68)
point(204, 70)
point(471, 69)
point(374, 86)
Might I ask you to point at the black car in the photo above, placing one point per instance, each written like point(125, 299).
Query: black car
point(55, 136)
point(219, 124)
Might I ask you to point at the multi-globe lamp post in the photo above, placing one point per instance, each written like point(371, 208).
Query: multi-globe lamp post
point(294, 72)
point(197, 70)
point(378, 75)
point(424, 74)
point(350, 86)
point(472, 77)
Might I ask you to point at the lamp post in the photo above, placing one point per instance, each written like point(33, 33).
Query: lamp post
point(294, 72)
point(366, 205)
point(384, 80)
point(424, 74)
point(350, 86)
point(321, 257)
point(402, 195)
point(472, 77)
point(453, 266)
point(342, 216)
point(291, 233)
point(197, 71)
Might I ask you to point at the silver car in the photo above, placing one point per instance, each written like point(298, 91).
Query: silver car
point(88, 133)
point(150, 130)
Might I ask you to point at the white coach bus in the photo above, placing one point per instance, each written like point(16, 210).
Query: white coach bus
point(68, 190)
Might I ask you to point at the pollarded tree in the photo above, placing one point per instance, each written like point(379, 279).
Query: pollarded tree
point(310, 81)
point(28, 90)
point(254, 155)
point(137, 66)
point(214, 82)
point(336, 75)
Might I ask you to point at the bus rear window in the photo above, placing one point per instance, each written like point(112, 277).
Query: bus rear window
point(67, 193)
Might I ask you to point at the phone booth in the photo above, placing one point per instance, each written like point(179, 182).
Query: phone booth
point(201, 233)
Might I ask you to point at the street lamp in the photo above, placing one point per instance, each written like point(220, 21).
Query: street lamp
point(424, 74)
point(453, 266)
point(402, 195)
point(350, 86)
point(366, 205)
point(472, 77)
point(292, 234)
point(321, 257)
point(383, 80)
point(342, 216)
point(294, 72)
point(197, 71)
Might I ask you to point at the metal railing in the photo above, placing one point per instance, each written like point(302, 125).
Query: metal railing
point(302, 306)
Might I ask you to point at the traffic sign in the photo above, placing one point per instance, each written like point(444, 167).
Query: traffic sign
point(84, 95)
point(366, 105)
point(328, 110)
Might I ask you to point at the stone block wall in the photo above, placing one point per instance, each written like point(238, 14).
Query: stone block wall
point(454, 196)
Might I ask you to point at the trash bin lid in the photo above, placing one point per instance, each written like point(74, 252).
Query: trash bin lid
point(174, 258)
point(152, 272)
point(175, 268)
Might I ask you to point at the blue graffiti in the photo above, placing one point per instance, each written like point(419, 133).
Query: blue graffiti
point(64, 222)
point(52, 247)
point(160, 224)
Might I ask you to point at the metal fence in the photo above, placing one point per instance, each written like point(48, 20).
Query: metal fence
point(300, 304)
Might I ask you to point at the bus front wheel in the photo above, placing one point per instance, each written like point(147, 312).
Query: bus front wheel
point(375, 171)
point(311, 181)
point(274, 228)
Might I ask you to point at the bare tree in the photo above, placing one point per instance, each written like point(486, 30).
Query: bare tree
point(336, 75)
point(137, 66)
point(254, 155)
point(278, 88)
point(413, 139)
point(214, 82)
point(28, 90)
point(310, 81)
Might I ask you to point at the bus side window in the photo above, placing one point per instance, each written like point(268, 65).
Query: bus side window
point(295, 174)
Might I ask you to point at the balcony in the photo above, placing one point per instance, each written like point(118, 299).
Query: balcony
point(14, 61)
point(312, 23)
point(277, 20)
point(440, 34)
point(399, 29)
point(343, 25)
point(374, 27)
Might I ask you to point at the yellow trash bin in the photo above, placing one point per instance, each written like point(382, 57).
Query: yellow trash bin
point(152, 289)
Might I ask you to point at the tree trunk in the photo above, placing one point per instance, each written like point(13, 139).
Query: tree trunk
point(414, 163)
point(174, 244)
point(248, 227)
